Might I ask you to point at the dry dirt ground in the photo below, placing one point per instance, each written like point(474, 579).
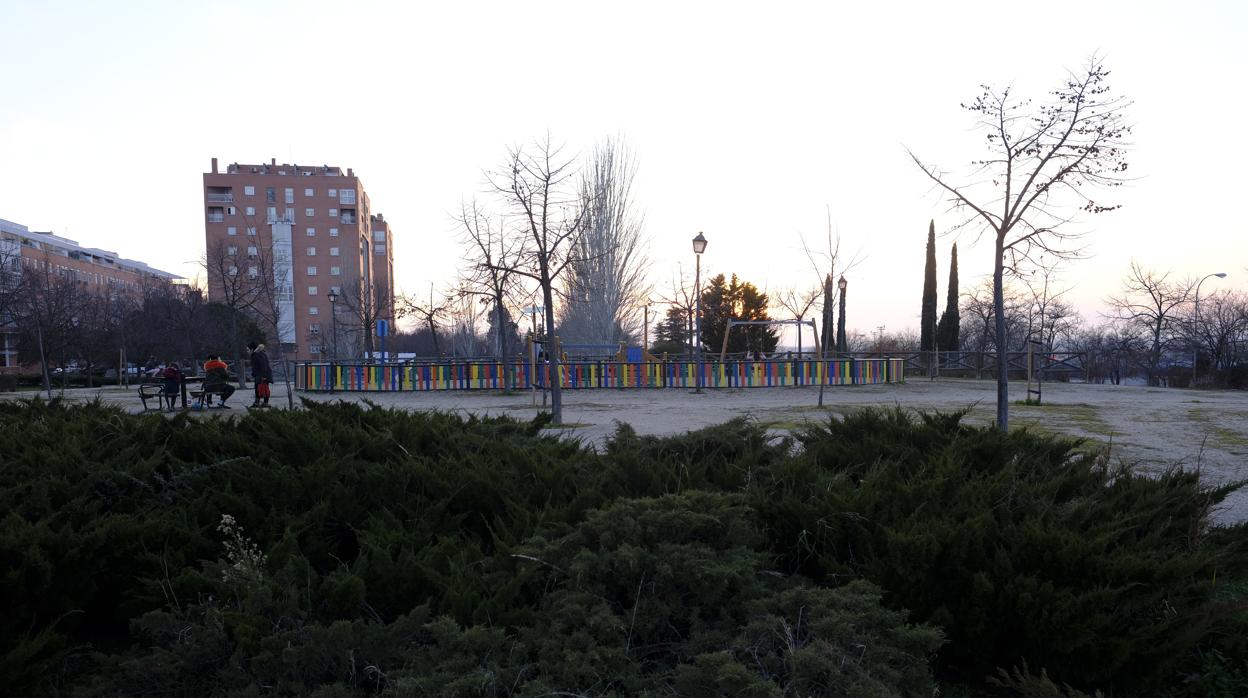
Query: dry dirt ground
point(1155, 427)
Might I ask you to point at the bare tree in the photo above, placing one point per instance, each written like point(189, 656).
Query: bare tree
point(1036, 177)
point(606, 276)
point(536, 184)
point(363, 304)
point(231, 284)
point(47, 312)
point(1152, 302)
point(1223, 320)
point(428, 312)
point(682, 296)
point(492, 258)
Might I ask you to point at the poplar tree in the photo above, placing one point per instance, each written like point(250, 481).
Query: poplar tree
point(927, 328)
point(948, 330)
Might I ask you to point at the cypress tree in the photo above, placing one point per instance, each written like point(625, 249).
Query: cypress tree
point(949, 328)
point(927, 329)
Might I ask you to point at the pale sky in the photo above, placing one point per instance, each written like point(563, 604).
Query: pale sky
point(750, 121)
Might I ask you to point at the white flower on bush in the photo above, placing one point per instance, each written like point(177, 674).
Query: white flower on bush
point(246, 562)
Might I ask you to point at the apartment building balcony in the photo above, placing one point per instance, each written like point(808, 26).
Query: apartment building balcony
point(220, 195)
point(349, 219)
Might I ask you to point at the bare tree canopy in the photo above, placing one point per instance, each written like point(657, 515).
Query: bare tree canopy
point(1151, 302)
point(537, 185)
point(1041, 165)
point(606, 281)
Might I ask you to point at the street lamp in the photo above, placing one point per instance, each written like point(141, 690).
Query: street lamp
point(841, 346)
point(333, 323)
point(699, 246)
point(1196, 321)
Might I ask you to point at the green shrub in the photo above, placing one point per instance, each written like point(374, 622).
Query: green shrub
point(375, 551)
point(1020, 546)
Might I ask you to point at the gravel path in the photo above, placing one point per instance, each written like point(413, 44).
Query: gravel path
point(1155, 427)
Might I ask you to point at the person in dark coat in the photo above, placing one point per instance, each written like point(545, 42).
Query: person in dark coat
point(173, 382)
point(217, 380)
point(261, 373)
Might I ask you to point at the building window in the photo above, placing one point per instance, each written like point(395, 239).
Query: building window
point(311, 232)
point(309, 212)
point(314, 310)
point(333, 232)
point(335, 271)
point(271, 215)
point(251, 210)
point(249, 191)
point(314, 328)
point(333, 212)
point(252, 251)
point(290, 216)
point(216, 214)
point(311, 251)
point(333, 252)
point(379, 236)
point(253, 272)
point(333, 193)
point(311, 290)
point(346, 196)
point(311, 271)
point(231, 250)
point(233, 270)
point(315, 349)
point(231, 211)
point(379, 249)
point(270, 195)
point(290, 195)
point(309, 192)
point(231, 230)
point(251, 230)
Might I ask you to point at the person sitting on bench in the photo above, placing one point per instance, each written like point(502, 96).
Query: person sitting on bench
point(217, 380)
point(173, 383)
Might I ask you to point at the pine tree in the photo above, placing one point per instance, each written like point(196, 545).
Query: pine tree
point(723, 300)
point(927, 329)
point(949, 329)
point(671, 334)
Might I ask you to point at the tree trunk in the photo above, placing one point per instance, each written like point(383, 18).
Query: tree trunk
point(556, 393)
point(1003, 369)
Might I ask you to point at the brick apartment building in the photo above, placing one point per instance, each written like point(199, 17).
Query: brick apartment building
point(98, 270)
point(308, 231)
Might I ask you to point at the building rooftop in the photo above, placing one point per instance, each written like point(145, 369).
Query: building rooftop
point(55, 244)
point(284, 169)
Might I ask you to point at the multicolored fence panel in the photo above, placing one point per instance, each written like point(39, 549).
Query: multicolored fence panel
point(487, 375)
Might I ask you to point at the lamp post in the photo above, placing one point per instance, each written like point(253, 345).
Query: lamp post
point(333, 323)
point(1196, 321)
point(841, 344)
point(699, 246)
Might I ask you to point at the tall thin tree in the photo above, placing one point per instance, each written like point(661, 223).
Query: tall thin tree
point(927, 323)
point(948, 329)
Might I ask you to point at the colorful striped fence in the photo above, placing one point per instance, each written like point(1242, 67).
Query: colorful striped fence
point(489, 375)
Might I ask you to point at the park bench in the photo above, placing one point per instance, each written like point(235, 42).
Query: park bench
point(152, 391)
point(201, 394)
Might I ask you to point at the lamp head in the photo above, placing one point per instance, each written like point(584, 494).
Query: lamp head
point(842, 283)
point(699, 244)
point(333, 297)
point(1220, 275)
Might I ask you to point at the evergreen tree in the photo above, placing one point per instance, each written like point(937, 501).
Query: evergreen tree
point(671, 335)
point(927, 325)
point(949, 329)
point(736, 300)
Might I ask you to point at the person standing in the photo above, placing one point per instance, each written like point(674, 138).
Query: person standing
point(261, 374)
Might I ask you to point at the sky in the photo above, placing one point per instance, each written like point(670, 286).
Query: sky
point(759, 124)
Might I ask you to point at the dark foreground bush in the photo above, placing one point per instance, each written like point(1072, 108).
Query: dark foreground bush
point(345, 550)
